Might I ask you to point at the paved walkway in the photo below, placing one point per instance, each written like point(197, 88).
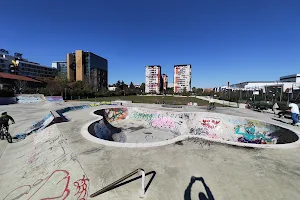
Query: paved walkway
point(221, 171)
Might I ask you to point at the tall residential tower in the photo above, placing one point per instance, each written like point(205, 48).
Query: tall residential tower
point(165, 81)
point(182, 78)
point(153, 82)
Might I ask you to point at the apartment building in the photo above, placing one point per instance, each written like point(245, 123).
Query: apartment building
point(153, 83)
point(165, 81)
point(182, 78)
point(23, 67)
point(83, 65)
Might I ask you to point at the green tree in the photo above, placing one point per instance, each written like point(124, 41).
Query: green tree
point(131, 86)
point(142, 87)
point(132, 89)
point(199, 91)
point(118, 84)
point(194, 89)
point(184, 92)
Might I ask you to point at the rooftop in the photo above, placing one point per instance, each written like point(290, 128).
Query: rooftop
point(17, 77)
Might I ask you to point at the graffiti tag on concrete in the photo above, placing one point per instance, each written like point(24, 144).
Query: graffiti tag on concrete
point(40, 188)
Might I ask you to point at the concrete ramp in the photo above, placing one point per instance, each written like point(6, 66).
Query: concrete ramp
point(52, 118)
point(54, 99)
point(42, 167)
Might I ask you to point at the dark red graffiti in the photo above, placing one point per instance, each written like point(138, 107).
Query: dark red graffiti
point(81, 186)
point(210, 123)
point(62, 192)
point(65, 192)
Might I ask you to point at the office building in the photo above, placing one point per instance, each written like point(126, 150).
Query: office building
point(165, 81)
point(295, 78)
point(287, 83)
point(153, 81)
point(61, 67)
point(23, 67)
point(182, 78)
point(83, 65)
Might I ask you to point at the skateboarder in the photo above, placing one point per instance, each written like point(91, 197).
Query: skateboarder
point(294, 109)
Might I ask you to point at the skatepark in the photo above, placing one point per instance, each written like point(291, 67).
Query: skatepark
point(70, 150)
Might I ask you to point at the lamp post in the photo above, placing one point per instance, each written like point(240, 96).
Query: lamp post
point(65, 93)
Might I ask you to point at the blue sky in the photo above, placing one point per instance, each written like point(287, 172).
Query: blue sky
point(224, 40)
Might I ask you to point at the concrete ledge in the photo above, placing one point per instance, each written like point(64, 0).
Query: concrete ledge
point(88, 136)
point(7, 100)
point(170, 106)
point(121, 102)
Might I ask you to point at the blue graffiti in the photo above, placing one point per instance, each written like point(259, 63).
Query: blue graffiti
point(250, 134)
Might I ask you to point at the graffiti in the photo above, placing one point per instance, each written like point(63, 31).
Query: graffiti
point(101, 103)
point(54, 99)
point(249, 135)
point(38, 126)
point(163, 123)
point(142, 116)
point(198, 131)
point(61, 192)
point(81, 186)
point(32, 156)
point(31, 98)
point(210, 123)
point(115, 114)
point(40, 188)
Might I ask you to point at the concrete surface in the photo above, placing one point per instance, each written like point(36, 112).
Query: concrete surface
point(226, 172)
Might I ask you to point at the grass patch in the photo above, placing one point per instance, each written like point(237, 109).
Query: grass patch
point(154, 99)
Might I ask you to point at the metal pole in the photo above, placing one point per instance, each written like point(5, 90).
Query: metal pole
point(65, 93)
point(281, 92)
point(110, 186)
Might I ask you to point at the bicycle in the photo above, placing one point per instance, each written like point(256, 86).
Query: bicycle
point(5, 133)
point(211, 107)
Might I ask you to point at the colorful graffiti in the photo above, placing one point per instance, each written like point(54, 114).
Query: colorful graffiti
point(210, 123)
point(163, 123)
point(40, 188)
point(30, 98)
point(54, 99)
point(250, 135)
point(116, 114)
point(215, 126)
point(101, 103)
point(142, 116)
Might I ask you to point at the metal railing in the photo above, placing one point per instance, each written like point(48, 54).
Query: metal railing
point(112, 185)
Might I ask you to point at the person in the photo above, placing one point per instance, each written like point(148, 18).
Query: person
point(294, 109)
point(4, 119)
point(211, 102)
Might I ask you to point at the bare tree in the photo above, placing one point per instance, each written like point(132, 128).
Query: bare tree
point(21, 86)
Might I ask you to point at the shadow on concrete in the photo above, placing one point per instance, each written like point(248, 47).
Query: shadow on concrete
point(281, 120)
point(134, 179)
point(202, 196)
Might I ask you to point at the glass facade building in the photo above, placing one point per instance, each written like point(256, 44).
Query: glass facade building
point(61, 67)
point(87, 65)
